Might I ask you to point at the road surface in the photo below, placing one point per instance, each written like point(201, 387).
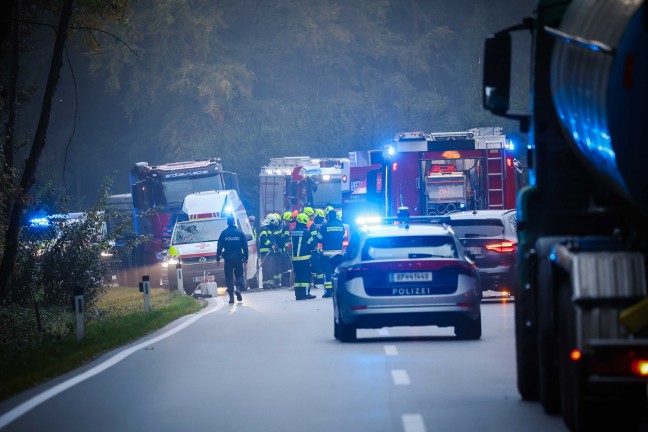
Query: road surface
point(271, 364)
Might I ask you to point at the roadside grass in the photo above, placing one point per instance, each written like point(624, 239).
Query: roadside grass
point(120, 320)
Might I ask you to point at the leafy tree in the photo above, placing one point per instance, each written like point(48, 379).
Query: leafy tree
point(18, 197)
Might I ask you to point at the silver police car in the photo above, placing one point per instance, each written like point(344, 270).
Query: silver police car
point(406, 275)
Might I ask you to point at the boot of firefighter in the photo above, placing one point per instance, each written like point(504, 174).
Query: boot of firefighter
point(301, 293)
point(328, 292)
point(231, 295)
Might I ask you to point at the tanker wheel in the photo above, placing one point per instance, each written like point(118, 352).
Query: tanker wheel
point(587, 406)
point(549, 372)
point(526, 344)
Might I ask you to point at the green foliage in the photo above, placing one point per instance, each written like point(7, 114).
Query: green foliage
point(28, 357)
point(75, 249)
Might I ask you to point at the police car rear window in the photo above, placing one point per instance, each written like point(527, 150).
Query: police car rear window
point(409, 247)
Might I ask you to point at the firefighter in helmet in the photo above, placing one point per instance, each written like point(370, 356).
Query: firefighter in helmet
point(331, 234)
point(267, 247)
point(316, 260)
point(303, 244)
point(283, 242)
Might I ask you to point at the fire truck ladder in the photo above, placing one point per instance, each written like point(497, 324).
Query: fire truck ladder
point(495, 179)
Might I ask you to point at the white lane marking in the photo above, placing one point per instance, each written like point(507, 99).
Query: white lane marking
point(383, 332)
point(400, 377)
point(391, 350)
point(413, 423)
point(30, 404)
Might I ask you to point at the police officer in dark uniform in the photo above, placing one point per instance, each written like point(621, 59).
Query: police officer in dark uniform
point(232, 246)
point(332, 237)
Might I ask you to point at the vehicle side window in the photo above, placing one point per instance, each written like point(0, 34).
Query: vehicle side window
point(513, 223)
point(244, 225)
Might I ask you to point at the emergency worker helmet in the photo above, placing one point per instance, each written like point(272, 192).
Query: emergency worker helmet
point(338, 214)
point(287, 216)
point(309, 211)
point(328, 209)
point(302, 218)
point(320, 213)
point(270, 219)
point(294, 214)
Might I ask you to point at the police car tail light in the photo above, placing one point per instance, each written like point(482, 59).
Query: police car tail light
point(502, 247)
point(356, 272)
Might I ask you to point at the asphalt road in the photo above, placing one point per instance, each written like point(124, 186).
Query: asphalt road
point(271, 364)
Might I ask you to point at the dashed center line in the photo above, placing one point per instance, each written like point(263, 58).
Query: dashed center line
point(413, 423)
point(383, 332)
point(391, 350)
point(400, 377)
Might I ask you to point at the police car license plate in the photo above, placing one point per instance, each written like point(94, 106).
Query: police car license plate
point(205, 279)
point(475, 250)
point(410, 277)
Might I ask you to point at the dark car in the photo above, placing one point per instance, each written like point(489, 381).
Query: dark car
point(490, 238)
point(405, 275)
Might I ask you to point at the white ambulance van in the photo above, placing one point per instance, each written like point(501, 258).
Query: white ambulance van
point(195, 236)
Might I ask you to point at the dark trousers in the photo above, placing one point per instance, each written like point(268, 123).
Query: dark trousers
point(234, 269)
point(302, 278)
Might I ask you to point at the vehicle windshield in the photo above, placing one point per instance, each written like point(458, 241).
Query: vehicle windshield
point(409, 247)
point(471, 228)
point(198, 232)
point(327, 192)
point(176, 190)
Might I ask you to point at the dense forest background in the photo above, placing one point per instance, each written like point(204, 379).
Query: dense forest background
point(246, 80)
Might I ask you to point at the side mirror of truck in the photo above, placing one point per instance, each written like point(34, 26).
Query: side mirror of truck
point(497, 73)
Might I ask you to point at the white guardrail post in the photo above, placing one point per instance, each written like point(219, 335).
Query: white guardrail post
point(147, 295)
point(179, 278)
point(79, 312)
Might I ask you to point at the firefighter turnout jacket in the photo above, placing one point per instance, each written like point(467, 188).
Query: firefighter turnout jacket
point(331, 235)
point(266, 239)
point(303, 242)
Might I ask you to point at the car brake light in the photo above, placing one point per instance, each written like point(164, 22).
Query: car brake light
point(502, 247)
point(576, 355)
point(640, 367)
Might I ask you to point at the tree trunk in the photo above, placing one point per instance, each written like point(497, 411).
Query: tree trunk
point(8, 150)
point(31, 164)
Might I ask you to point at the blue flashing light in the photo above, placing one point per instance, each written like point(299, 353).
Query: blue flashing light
point(462, 206)
point(532, 177)
point(552, 256)
point(511, 145)
point(228, 209)
point(39, 222)
point(390, 151)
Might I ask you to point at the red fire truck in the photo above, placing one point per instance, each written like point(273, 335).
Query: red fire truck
point(291, 183)
point(432, 174)
point(158, 192)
